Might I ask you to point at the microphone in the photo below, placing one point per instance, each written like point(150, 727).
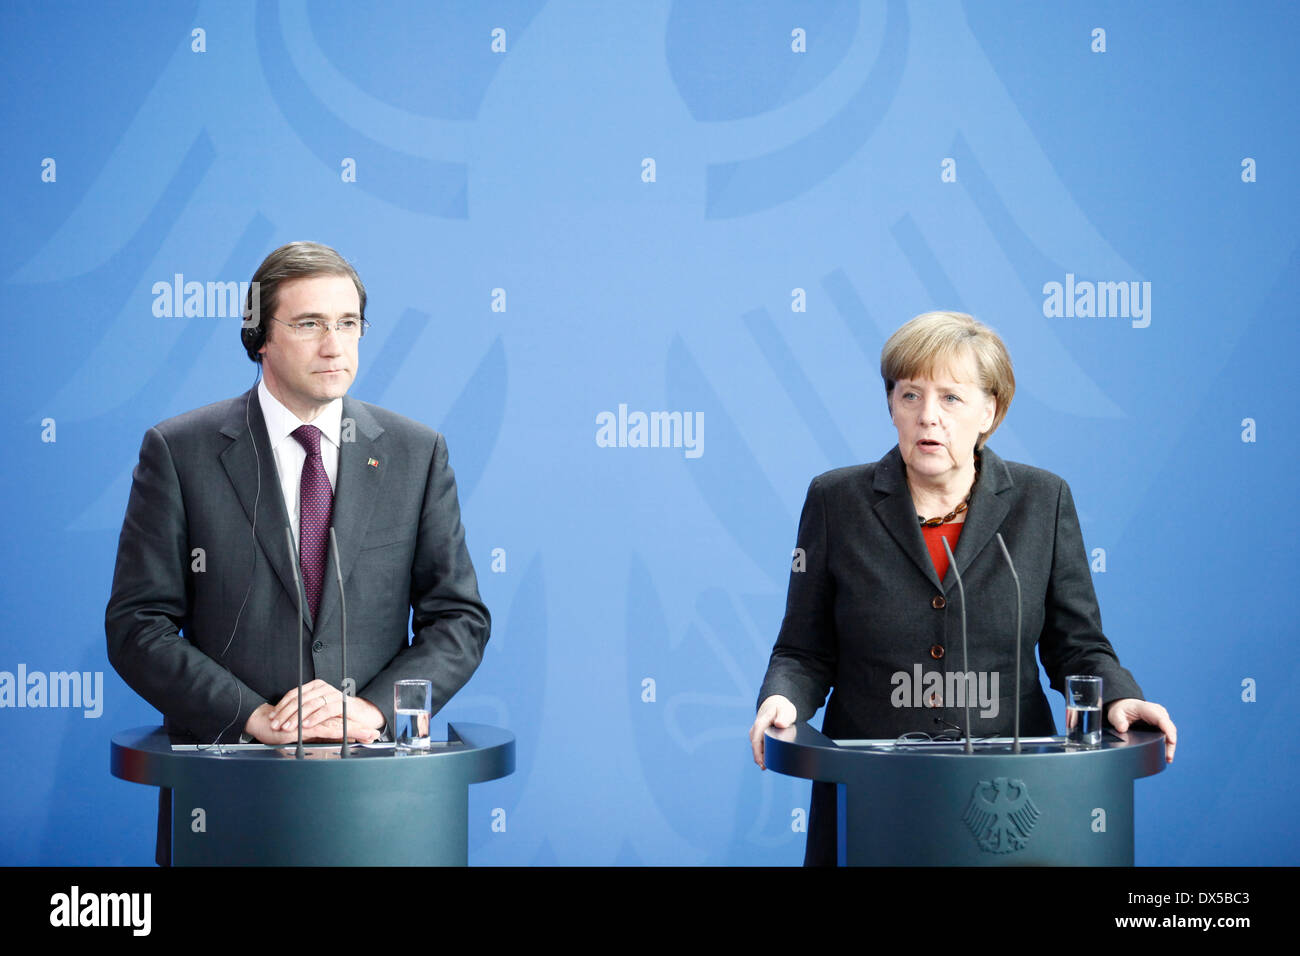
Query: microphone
point(965, 664)
point(343, 635)
point(1007, 554)
point(297, 588)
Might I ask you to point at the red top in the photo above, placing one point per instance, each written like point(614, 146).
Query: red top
point(933, 536)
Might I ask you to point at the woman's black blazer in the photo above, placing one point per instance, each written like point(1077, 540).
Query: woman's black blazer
point(865, 606)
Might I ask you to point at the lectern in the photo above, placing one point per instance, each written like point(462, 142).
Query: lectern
point(933, 804)
point(258, 805)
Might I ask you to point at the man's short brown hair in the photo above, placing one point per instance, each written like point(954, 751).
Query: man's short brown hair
point(297, 260)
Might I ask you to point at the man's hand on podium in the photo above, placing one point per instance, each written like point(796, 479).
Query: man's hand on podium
point(776, 711)
point(322, 717)
point(1127, 711)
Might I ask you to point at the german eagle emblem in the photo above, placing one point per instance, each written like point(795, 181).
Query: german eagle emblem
point(1001, 815)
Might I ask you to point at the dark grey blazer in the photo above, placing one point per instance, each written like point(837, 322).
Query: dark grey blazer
point(869, 605)
point(182, 634)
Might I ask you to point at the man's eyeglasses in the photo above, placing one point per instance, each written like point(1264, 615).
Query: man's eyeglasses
point(317, 329)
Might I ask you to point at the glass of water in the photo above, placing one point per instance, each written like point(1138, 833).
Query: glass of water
point(1083, 711)
point(412, 707)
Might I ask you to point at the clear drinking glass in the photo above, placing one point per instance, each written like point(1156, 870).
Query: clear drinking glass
point(412, 708)
point(1083, 711)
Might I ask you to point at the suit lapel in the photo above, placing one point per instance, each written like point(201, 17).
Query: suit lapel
point(988, 508)
point(358, 487)
point(898, 514)
point(264, 504)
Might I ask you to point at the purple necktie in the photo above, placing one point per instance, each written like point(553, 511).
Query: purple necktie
point(315, 503)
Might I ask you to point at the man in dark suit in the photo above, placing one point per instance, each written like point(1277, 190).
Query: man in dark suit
point(203, 617)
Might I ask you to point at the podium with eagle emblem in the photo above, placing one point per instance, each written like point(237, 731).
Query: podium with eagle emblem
point(930, 803)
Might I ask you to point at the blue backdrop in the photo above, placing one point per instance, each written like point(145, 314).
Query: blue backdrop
point(720, 209)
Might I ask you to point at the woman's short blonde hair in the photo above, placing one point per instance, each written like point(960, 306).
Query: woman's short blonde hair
point(934, 341)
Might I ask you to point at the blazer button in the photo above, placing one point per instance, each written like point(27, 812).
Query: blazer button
point(318, 647)
point(937, 602)
point(936, 651)
point(934, 699)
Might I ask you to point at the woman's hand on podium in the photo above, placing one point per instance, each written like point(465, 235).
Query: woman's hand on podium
point(776, 711)
point(1127, 711)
